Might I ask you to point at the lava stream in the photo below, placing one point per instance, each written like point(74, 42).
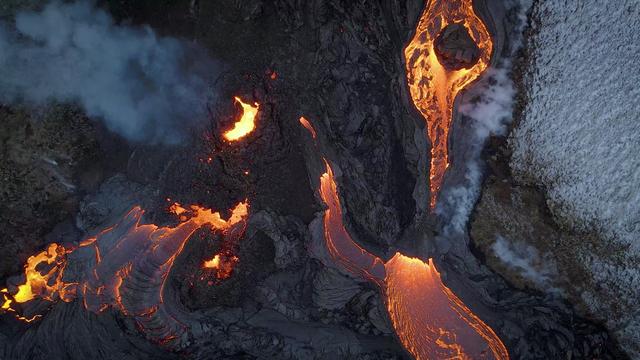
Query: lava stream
point(124, 267)
point(245, 124)
point(307, 125)
point(433, 87)
point(430, 320)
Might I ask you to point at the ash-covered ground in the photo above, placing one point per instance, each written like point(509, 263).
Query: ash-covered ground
point(68, 172)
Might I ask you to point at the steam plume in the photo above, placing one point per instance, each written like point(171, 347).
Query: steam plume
point(489, 110)
point(142, 86)
point(526, 260)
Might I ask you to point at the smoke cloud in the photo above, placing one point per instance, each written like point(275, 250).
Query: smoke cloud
point(526, 260)
point(142, 86)
point(488, 110)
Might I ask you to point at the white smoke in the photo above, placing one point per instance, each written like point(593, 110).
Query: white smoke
point(490, 111)
point(144, 87)
point(527, 261)
point(489, 108)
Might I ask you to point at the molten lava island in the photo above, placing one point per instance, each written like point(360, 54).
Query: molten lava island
point(430, 320)
point(450, 49)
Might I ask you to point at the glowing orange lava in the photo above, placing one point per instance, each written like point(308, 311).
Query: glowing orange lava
point(247, 121)
point(222, 264)
point(341, 246)
point(431, 321)
point(214, 263)
point(307, 125)
point(115, 253)
point(434, 88)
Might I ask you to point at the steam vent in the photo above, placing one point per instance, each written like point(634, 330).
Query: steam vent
point(380, 180)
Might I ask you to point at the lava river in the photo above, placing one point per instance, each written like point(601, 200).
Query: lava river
point(430, 320)
point(124, 267)
point(434, 86)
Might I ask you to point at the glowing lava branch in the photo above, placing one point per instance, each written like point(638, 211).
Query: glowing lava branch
point(434, 88)
point(307, 125)
point(127, 265)
point(246, 124)
point(431, 321)
point(225, 260)
point(341, 246)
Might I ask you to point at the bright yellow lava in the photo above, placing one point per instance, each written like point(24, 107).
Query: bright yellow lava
point(430, 320)
point(246, 124)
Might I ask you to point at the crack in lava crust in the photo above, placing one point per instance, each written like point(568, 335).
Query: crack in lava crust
point(434, 88)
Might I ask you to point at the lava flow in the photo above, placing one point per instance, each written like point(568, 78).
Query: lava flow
point(434, 84)
point(225, 260)
point(430, 320)
point(341, 246)
point(124, 267)
point(247, 121)
point(307, 125)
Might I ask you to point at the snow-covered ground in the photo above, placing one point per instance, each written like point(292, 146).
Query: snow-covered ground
point(579, 138)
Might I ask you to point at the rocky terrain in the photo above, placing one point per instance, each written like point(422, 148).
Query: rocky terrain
point(338, 63)
point(567, 175)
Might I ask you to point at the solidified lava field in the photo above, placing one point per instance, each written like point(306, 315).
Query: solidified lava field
point(321, 179)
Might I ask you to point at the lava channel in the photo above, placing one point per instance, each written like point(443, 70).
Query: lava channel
point(433, 84)
point(430, 320)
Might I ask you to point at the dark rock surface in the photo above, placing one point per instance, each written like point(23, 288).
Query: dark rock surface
point(455, 48)
point(48, 157)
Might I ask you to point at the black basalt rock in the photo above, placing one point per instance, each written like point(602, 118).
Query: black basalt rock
point(455, 48)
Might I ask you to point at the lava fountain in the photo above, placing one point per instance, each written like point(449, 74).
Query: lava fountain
point(245, 124)
point(450, 49)
point(430, 320)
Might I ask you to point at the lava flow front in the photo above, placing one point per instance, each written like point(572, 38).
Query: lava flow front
point(247, 121)
point(124, 267)
point(431, 321)
point(450, 49)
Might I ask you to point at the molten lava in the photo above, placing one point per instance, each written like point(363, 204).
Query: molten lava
point(246, 124)
point(431, 321)
point(434, 88)
point(214, 263)
point(222, 264)
point(307, 125)
point(127, 265)
point(341, 246)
